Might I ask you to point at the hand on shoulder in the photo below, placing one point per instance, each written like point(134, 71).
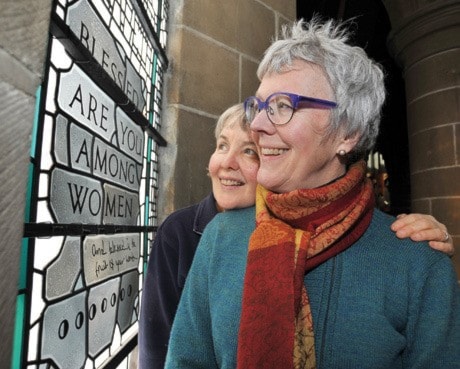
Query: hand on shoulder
point(424, 227)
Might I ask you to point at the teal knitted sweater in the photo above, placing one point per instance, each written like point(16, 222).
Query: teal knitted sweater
point(382, 303)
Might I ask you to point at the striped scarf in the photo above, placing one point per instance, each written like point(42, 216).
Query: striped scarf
point(294, 233)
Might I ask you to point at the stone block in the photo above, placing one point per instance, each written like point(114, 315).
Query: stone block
point(256, 33)
point(422, 206)
point(249, 80)
point(441, 107)
point(24, 28)
point(204, 75)
point(228, 22)
point(434, 73)
point(447, 211)
point(286, 9)
point(195, 144)
point(433, 148)
point(16, 115)
point(436, 183)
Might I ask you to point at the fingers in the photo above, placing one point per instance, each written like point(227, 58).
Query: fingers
point(431, 234)
point(423, 227)
point(445, 247)
point(408, 225)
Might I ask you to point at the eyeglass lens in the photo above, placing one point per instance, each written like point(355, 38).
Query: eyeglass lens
point(279, 108)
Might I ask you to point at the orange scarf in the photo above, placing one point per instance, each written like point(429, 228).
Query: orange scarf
point(294, 233)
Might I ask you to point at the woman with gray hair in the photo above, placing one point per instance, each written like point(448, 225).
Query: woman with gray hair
point(312, 277)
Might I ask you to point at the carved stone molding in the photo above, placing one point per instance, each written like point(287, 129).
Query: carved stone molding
point(422, 28)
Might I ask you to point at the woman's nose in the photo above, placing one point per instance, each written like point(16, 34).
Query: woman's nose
point(261, 122)
point(230, 161)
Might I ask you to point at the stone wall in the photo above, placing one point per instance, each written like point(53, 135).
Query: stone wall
point(23, 41)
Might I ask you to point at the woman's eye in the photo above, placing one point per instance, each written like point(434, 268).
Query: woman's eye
point(284, 105)
point(250, 151)
point(221, 146)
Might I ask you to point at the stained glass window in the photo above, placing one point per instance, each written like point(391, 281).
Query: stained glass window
point(93, 184)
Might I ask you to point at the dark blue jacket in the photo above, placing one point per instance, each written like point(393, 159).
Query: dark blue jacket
point(169, 262)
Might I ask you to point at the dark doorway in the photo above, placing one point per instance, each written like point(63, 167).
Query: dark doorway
point(370, 31)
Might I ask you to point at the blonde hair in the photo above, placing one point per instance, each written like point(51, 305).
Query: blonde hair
point(233, 115)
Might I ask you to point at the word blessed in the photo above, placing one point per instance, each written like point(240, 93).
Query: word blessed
point(98, 40)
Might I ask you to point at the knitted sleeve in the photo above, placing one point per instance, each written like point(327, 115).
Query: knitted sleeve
point(433, 327)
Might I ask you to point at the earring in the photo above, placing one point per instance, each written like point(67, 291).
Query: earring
point(342, 153)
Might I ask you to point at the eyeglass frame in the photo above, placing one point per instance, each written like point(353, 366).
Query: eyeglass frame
point(295, 99)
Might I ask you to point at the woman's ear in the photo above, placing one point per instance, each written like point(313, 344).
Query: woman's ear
point(347, 144)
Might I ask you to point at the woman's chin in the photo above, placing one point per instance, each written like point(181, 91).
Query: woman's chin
point(268, 181)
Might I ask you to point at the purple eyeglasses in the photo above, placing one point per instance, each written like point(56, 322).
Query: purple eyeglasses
point(280, 106)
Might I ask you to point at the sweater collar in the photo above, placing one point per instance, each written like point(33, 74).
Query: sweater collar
point(206, 211)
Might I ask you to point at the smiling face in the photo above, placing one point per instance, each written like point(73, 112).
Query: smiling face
point(297, 155)
point(233, 168)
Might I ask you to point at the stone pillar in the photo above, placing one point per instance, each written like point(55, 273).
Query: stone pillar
point(425, 40)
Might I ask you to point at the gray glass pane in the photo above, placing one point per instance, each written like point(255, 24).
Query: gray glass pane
point(79, 284)
point(63, 272)
point(135, 86)
point(64, 326)
point(79, 97)
point(121, 207)
point(60, 140)
point(129, 289)
point(80, 144)
point(106, 256)
point(130, 136)
point(75, 198)
point(102, 309)
point(85, 23)
point(114, 166)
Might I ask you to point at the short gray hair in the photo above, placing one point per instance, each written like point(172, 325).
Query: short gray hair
point(356, 80)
